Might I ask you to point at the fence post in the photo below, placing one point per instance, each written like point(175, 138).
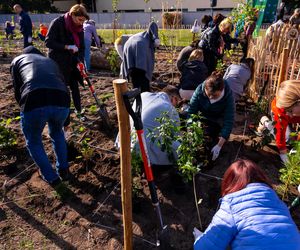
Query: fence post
point(283, 68)
point(120, 86)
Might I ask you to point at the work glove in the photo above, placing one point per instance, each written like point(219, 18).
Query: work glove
point(29, 39)
point(197, 233)
point(283, 157)
point(215, 152)
point(74, 48)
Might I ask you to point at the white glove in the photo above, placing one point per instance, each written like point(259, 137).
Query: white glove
point(216, 151)
point(283, 157)
point(197, 233)
point(74, 48)
point(29, 39)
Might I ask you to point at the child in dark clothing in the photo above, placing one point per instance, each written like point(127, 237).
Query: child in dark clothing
point(9, 30)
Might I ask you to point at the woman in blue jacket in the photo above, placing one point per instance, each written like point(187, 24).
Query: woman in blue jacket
point(251, 216)
point(213, 99)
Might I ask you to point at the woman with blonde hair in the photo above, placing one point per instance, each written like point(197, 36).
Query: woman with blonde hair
point(251, 215)
point(213, 44)
point(286, 110)
point(193, 72)
point(65, 40)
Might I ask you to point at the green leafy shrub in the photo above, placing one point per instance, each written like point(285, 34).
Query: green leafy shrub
point(113, 60)
point(290, 173)
point(191, 143)
point(8, 139)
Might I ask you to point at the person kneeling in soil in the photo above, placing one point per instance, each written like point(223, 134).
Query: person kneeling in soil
point(43, 97)
point(193, 72)
point(138, 57)
point(251, 215)
point(286, 110)
point(238, 75)
point(185, 53)
point(156, 105)
point(213, 99)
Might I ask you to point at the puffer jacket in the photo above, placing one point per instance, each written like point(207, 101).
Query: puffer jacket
point(253, 218)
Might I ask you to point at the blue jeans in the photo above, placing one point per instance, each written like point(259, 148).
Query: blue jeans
point(33, 123)
point(87, 53)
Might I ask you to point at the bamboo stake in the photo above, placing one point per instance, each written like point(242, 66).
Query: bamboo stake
point(283, 69)
point(120, 86)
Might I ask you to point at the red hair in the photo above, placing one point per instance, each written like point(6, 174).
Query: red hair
point(240, 174)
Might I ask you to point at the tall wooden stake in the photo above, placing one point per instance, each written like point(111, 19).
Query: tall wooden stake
point(283, 69)
point(120, 86)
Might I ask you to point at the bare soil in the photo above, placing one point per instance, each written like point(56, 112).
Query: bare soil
point(33, 216)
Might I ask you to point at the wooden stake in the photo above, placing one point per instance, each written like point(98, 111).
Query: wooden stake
point(120, 86)
point(283, 69)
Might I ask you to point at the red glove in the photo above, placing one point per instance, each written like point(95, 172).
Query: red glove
point(81, 68)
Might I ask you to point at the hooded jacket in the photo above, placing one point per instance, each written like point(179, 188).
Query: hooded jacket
point(139, 52)
point(253, 218)
point(221, 112)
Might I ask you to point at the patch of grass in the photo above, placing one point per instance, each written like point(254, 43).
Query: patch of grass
point(180, 37)
point(26, 244)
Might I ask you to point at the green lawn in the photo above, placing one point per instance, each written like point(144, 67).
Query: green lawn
point(178, 37)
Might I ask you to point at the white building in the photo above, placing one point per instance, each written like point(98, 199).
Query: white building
point(152, 5)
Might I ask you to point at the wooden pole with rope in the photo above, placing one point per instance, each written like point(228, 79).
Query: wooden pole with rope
point(120, 87)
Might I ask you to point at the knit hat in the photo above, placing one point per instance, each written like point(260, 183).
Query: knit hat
point(288, 94)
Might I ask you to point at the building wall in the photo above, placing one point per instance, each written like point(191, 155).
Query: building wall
point(190, 5)
point(64, 5)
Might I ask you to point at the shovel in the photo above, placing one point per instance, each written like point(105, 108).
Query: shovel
point(102, 107)
point(135, 94)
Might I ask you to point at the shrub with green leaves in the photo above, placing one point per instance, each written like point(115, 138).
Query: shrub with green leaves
point(113, 60)
point(8, 139)
point(290, 173)
point(191, 143)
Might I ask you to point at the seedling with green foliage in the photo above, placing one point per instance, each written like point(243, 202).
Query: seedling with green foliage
point(8, 139)
point(191, 142)
point(113, 60)
point(290, 173)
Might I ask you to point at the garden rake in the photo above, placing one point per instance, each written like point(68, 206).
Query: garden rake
point(135, 94)
point(102, 107)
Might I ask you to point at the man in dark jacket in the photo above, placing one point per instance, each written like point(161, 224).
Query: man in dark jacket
point(25, 25)
point(43, 98)
point(138, 57)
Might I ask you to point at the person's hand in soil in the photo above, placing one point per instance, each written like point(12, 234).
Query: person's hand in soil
point(217, 148)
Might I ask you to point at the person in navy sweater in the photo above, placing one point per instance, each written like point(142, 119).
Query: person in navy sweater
point(251, 215)
point(25, 25)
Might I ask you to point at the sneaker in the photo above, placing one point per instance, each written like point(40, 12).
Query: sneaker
point(64, 174)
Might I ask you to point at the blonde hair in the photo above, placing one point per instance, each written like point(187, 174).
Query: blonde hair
point(288, 94)
point(196, 54)
point(79, 10)
point(225, 24)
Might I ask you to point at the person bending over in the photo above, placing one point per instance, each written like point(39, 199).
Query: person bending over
point(251, 216)
point(138, 57)
point(213, 99)
point(194, 72)
point(238, 75)
point(285, 110)
point(44, 99)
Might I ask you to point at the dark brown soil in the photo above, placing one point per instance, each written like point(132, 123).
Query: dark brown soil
point(33, 216)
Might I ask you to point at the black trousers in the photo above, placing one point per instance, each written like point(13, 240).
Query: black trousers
point(139, 79)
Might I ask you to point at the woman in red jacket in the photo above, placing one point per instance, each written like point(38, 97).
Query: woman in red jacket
point(286, 110)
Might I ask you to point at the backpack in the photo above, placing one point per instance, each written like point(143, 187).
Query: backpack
point(203, 44)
